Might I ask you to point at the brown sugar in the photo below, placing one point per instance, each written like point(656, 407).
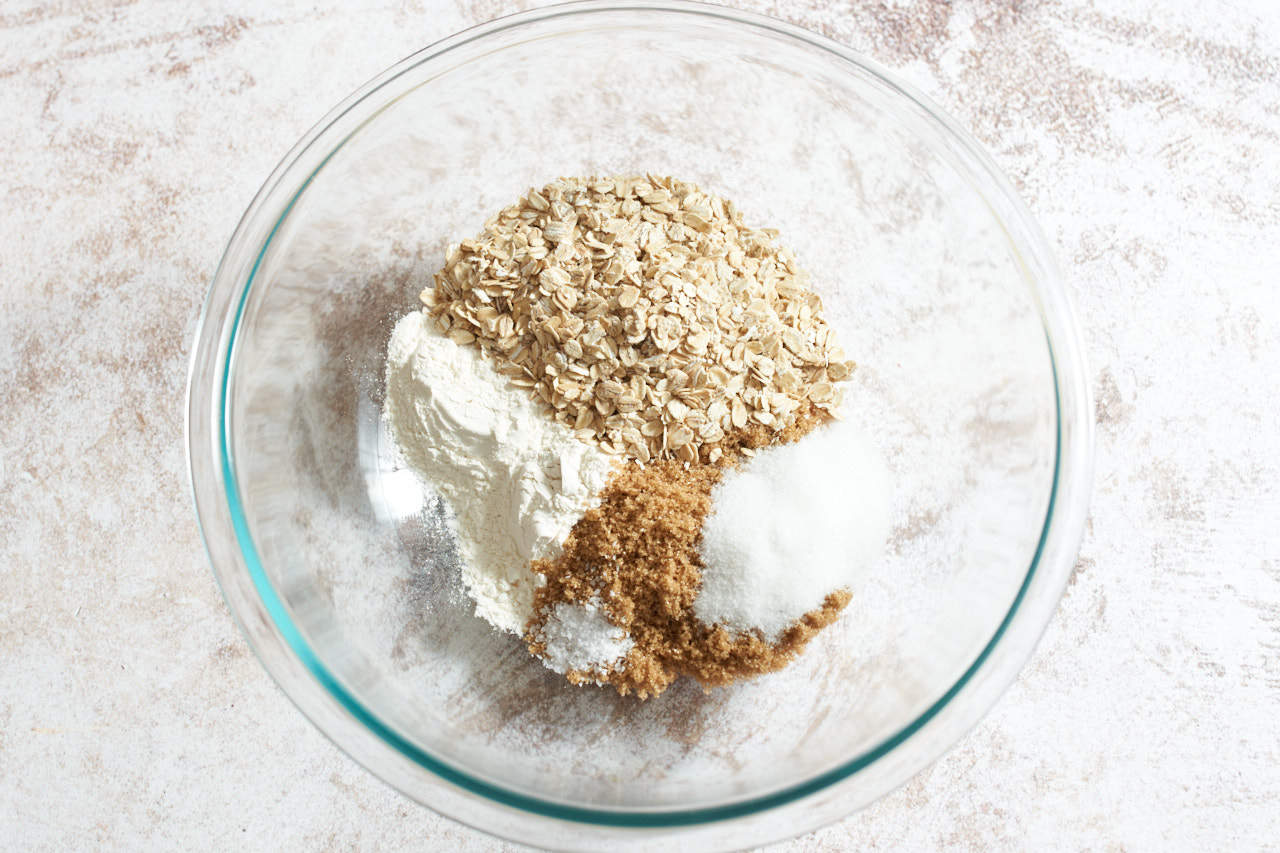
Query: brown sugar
point(637, 553)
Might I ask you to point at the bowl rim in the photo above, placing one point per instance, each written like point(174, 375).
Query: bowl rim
point(282, 646)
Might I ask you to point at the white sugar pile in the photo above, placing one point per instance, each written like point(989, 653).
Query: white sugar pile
point(580, 638)
point(790, 526)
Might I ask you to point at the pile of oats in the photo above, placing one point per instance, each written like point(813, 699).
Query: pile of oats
point(644, 313)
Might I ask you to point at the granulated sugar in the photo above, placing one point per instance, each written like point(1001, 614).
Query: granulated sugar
point(789, 527)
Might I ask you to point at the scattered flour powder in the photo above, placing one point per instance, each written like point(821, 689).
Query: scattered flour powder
point(515, 479)
point(790, 526)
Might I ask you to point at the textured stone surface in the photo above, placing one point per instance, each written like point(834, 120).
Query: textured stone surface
point(1145, 137)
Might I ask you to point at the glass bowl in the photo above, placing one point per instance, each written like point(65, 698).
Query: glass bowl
point(971, 384)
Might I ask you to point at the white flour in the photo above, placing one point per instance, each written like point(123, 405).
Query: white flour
point(580, 637)
point(789, 527)
point(516, 480)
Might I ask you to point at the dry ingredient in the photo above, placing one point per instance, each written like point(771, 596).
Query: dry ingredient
point(578, 640)
point(789, 526)
point(589, 385)
point(638, 553)
point(644, 313)
point(516, 480)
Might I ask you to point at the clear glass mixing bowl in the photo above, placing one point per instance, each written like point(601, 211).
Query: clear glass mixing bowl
point(971, 383)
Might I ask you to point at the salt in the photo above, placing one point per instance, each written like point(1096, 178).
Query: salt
point(580, 638)
point(790, 526)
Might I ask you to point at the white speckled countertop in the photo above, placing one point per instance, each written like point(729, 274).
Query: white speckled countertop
point(1144, 135)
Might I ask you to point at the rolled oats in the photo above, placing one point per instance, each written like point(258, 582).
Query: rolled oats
point(644, 312)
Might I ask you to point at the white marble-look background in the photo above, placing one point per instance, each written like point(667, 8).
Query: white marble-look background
point(1145, 135)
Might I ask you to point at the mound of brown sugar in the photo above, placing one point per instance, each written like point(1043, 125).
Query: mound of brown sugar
point(638, 554)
